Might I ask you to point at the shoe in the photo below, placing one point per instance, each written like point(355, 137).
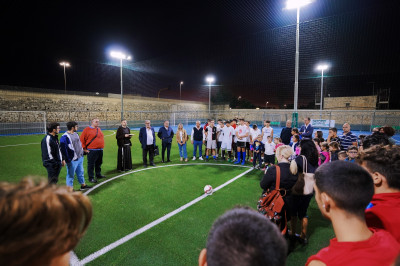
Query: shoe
point(303, 241)
point(194, 158)
point(85, 187)
point(201, 158)
point(163, 161)
point(186, 159)
point(215, 159)
point(168, 161)
point(91, 180)
point(181, 159)
point(242, 162)
point(229, 160)
point(152, 164)
point(251, 160)
point(145, 165)
point(101, 176)
point(237, 162)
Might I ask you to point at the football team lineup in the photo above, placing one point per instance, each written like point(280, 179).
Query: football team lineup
point(74, 258)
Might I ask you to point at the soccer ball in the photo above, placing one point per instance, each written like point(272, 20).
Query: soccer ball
point(208, 190)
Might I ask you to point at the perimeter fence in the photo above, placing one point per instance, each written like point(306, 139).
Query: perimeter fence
point(34, 122)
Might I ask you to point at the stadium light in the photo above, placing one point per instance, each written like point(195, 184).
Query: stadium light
point(180, 90)
point(65, 64)
point(121, 56)
point(322, 67)
point(209, 79)
point(296, 4)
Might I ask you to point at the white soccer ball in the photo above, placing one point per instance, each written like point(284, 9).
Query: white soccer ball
point(208, 190)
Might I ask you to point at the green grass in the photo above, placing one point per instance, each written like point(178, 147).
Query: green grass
point(134, 200)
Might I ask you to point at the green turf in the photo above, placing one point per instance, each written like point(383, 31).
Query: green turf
point(131, 201)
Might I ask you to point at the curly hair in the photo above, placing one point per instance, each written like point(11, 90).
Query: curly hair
point(375, 138)
point(40, 221)
point(384, 160)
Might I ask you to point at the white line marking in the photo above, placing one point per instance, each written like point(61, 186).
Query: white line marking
point(14, 145)
point(74, 260)
point(126, 238)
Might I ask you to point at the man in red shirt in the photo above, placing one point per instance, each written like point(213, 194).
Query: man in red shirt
point(383, 163)
point(343, 191)
point(93, 143)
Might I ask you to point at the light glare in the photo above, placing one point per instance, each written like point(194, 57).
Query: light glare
point(294, 4)
point(66, 64)
point(210, 79)
point(322, 67)
point(120, 55)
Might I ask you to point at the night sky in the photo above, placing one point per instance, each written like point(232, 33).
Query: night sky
point(249, 46)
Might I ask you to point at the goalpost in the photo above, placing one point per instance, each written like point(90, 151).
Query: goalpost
point(22, 122)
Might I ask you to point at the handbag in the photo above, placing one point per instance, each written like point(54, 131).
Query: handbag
point(305, 182)
point(156, 151)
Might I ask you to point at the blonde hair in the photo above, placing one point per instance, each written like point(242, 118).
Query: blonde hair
point(180, 124)
point(40, 222)
point(284, 150)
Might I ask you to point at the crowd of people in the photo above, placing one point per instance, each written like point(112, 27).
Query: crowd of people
point(355, 182)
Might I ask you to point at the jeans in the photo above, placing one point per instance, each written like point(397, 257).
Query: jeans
point(95, 160)
point(182, 150)
point(197, 143)
point(75, 167)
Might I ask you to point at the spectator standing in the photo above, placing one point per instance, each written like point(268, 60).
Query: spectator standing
point(286, 133)
point(307, 129)
point(197, 140)
point(257, 149)
point(269, 152)
point(123, 137)
point(347, 138)
point(92, 140)
point(211, 139)
point(51, 154)
point(332, 135)
point(72, 152)
point(389, 132)
point(181, 138)
point(324, 155)
point(147, 138)
point(220, 126)
point(334, 151)
point(244, 237)
point(344, 203)
point(254, 132)
point(351, 154)
point(383, 164)
point(166, 134)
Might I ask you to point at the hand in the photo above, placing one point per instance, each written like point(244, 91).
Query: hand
point(63, 163)
point(86, 151)
point(192, 141)
point(126, 135)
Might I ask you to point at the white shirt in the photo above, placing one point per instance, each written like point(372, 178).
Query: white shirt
point(242, 131)
point(269, 148)
point(219, 129)
point(267, 132)
point(254, 133)
point(149, 136)
point(181, 134)
point(202, 132)
point(227, 134)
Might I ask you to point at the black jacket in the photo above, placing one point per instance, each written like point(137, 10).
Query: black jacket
point(287, 178)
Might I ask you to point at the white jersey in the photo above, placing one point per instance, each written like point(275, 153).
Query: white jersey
point(219, 129)
point(267, 132)
point(227, 134)
point(241, 131)
point(269, 148)
point(248, 137)
point(254, 133)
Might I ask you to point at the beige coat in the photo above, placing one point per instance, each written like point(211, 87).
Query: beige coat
point(178, 136)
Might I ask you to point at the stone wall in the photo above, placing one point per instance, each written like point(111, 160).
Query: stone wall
point(351, 103)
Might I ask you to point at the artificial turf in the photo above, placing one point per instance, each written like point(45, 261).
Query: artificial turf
point(131, 201)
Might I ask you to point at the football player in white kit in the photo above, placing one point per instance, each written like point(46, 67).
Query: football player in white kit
point(242, 132)
point(227, 135)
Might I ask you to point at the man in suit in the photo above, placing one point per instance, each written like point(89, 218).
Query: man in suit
point(147, 138)
point(307, 129)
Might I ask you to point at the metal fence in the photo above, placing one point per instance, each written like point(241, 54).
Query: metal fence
point(33, 122)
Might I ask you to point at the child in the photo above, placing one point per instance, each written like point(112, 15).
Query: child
point(219, 135)
point(342, 155)
point(278, 142)
point(343, 202)
point(334, 150)
point(319, 135)
point(317, 142)
point(254, 132)
point(324, 156)
point(269, 152)
point(227, 135)
point(257, 146)
point(352, 154)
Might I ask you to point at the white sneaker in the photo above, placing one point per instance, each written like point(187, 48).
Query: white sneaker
point(194, 158)
point(181, 159)
point(201, 158)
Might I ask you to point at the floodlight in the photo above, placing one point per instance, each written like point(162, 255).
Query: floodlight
point(210, 79)
point(65, 64)
point(322, 67)
point(120, 55)
point(294, 4)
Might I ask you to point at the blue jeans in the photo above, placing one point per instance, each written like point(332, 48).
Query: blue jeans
point(182, 150)
point(197, 143)
point(75, 167)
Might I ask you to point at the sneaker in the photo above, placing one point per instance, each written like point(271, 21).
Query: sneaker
point(215, 159)
point(194, 158)
point(242, 162)
point(201, 158)
point(91, 180)
point(85, 187)
point(152, 164)
point(101, 176)
point(168, 161)
point(186, 159)
point(181, 159)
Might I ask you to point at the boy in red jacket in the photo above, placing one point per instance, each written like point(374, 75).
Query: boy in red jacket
point(343, 191)
point(383, 163)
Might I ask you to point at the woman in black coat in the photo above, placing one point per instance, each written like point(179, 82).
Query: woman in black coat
point(124, 147)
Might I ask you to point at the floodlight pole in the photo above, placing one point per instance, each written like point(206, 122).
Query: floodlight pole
point(65, 81)
point(180, 90)
point(296, 75)
point(322, 91)
point(209, 97)
point(122, 95)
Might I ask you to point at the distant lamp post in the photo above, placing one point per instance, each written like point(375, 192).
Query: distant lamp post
point(121, 56)
point(209, 79)
point(180, 90)
point(296, 4)
point(322, 68)
point(65, 64)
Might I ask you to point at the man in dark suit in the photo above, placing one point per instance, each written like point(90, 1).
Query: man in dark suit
point(307, 129)
point(147, 138)
point(286, 133)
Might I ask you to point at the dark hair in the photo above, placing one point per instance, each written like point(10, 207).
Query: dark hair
point(234, 120)
point(375, 138)
point(296, 137)
point(348, 184)
point(71, 124)
point(267, 121)
point(296, 130)
point(243, 237)
point(227, 121)
point(318, 140)
point(254, 126)
point(384, 160)
point(389, 131)
point(320, 134)
point(334, 129)
point(325, 145)
point(334, 144)
point(309, 150)
point(52, 126)
point(352, 147)
point(219, 120)
point(308, 118)
point(342, 153)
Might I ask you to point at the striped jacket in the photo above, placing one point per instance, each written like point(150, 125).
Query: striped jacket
point(51, 149)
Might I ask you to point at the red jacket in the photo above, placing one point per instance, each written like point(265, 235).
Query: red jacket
point(88, 134)
point(385, 213)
